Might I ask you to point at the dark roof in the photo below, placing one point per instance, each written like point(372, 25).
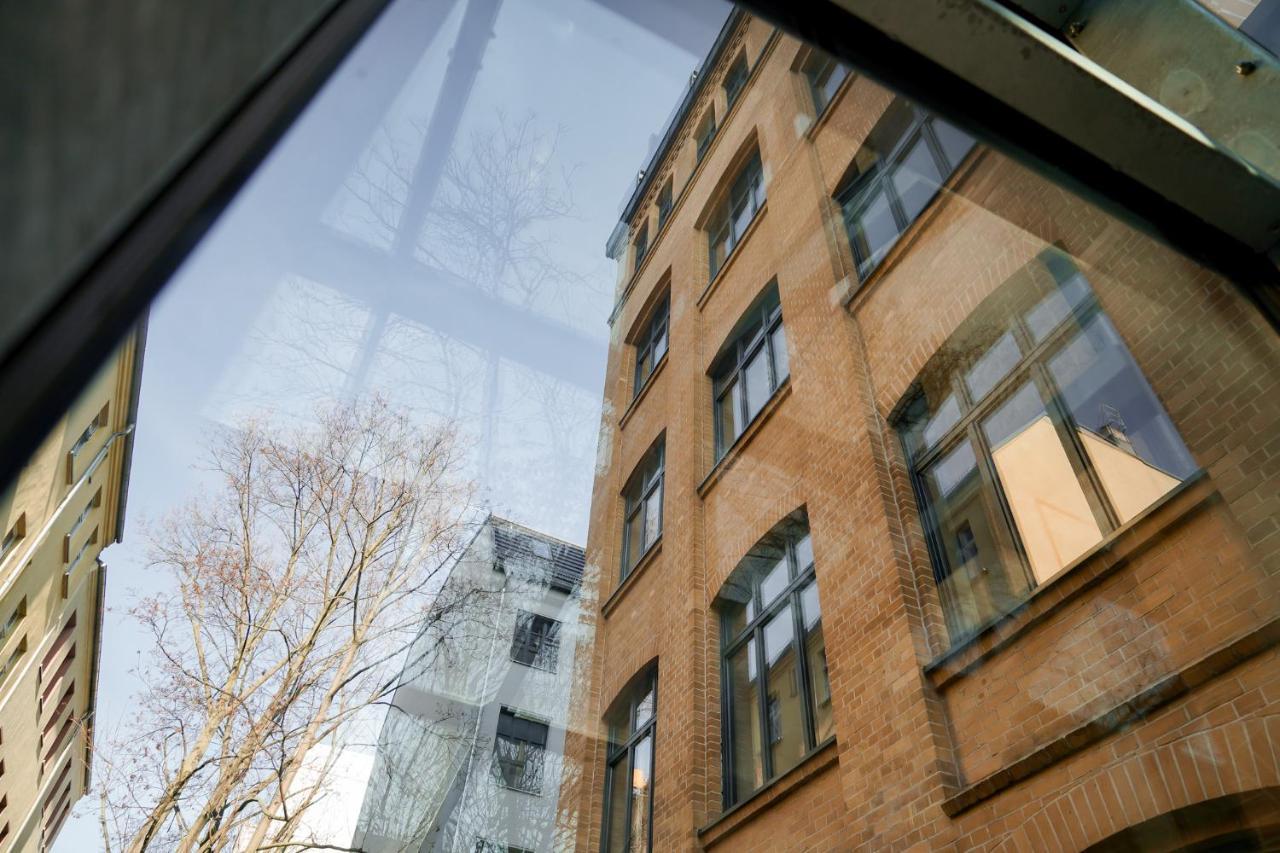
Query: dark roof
point(561, 562)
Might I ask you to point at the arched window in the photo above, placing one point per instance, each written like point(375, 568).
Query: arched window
point(776, 697)
point(752, 366)
point(628, 788)
point(642, 508)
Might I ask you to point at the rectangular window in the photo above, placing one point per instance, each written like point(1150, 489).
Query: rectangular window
point(735, 79)
point(537, 641)
point(735, 213)
point(753, 366)
point(519, 751)
point(906, 159)
point(664, 203)
point(11, 663)
point(16, 615)
point(642, 244)
point(642, 509)
point(1034, 436)
point(652, 346)
point(824, 76)
point(99, 422)
point(14, 536)
point(706, 132)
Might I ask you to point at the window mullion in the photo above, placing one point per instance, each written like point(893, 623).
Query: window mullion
point(1000, 519)
point(762, 703)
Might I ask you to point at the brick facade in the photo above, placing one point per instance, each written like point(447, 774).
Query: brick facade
point(1138, 683)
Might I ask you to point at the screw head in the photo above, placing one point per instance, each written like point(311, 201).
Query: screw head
point(1244, 69)
point(1075, 28)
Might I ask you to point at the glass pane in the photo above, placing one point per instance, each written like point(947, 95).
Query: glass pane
point(737, 604)
point(1131, 443)
point(992, 366)
point(727, 417)
point(976, 583)
point(641, 792)
point(781, 360)
point(634, 538)
point(804, 553)
point(744, 735)
point(1054, 519)
point(653, 517)
point(755, 377)
point(831, 83)
point(616, 839)
point(660, 344)
point(1054, 308)
point(874, 228)
point(815, 652)
point(916, 178)
point(784, 708)
point(955, 142)
point(644, 366)
point(645, 706)
point(774, 581)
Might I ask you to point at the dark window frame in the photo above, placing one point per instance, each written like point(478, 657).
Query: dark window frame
point(1031, 368)
point(735, 79)
point(665, 202)
point(530, 751)
point(539, 647)
point(643, 484)
point(860, 188)
point(623, 753)
point(727, 372)
point(641, 245)
point(789, 596)
point(727, 225)
point(817, 68)
point(653, 345)
point(705, 133)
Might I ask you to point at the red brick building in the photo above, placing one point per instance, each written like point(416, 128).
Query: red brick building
point(935, 508)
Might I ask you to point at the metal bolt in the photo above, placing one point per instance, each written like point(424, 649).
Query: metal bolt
point(1244, 69)
point(1075, 28)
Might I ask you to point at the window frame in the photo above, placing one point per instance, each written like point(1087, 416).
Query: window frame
point(657, 328)
point(624, 752)
point(1030, 369)
point(747, 188)
point(735, 79)
point(860, 188)
point(737, 354)
point(498, 735)
point(641, 245)
point(789, 596)
point(665, 202)
point(817, 68)
point(645, 480)
point(549, 639)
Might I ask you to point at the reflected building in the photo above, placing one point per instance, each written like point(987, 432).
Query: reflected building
point(470, 756)
point(936, 509)
point(61, 511)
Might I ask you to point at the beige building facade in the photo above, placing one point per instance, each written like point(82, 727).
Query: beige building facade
point(66, 505)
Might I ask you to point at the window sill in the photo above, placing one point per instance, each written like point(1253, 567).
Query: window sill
point(524, 791)
point(733, 256)
point(769, 794)
point(730, 458)
point(644, 389)
point(646, 560)
point(1102, 560)
point(533, 666)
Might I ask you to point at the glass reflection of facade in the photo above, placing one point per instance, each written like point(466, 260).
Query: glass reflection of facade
point(472, 746)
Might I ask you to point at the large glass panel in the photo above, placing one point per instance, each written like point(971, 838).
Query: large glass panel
point(916, 178)
point(955, 142)
point(781, 359)
point(635, 537)
point(652, 517)
point(774, 581)
point(641, 794)
point(1054, 308)
point(976, 582)
point(815, 652)
point(992, 366)
point(875, 227)
point(784, 709)
point(755, 377)
point(744, 733)
point(619, 791)
point(728, 419)
point(1133, 447)
point(1053, 515)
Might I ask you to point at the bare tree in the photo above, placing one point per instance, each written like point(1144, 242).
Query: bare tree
point(292, 593)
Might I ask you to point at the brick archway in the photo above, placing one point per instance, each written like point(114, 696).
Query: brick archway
point(1192, 786)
